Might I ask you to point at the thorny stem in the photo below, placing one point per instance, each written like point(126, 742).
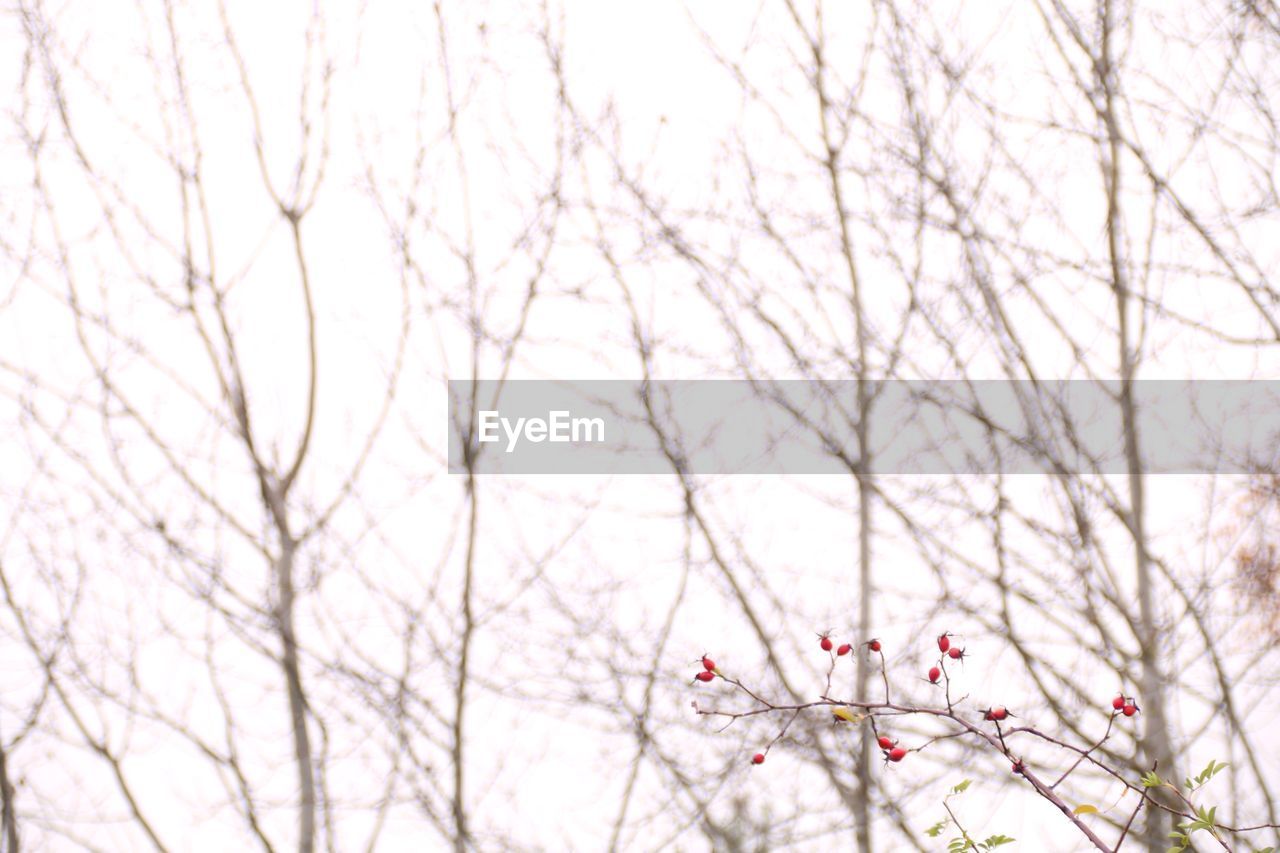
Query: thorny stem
point(1129, 823)
point(946, 680)
point(884, 676)
point(963, 832)
point(996, 741)
point(1111, 721)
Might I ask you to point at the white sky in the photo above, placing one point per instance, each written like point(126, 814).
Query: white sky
point(547, 772)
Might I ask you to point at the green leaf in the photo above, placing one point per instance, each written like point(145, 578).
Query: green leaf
point(1205, 817)
point(1213, 769)
point(1084, 808)
point(1204, 820)
point(962, 787)
point(1151, 780)
point(936, 830)
point(996, 841)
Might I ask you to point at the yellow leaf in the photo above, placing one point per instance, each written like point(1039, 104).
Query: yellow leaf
point(1084, 809)
point(846, 715)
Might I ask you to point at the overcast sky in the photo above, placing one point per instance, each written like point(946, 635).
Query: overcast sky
point(586, 190)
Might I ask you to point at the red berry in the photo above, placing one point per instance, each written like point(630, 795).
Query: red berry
point(934, 674)
point(885, 743)
point(874, 645)
point(844, 649)
point(1130, 710)
point(1118, 702)
point(826, 644)
point(705, 675)
point(897, 754)
point(708, 664)
point(758, 758)
point(999, 712)
point(955, 654)
point(944, 642)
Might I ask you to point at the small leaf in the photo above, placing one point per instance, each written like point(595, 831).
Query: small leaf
point(1212, 770)
point(961, 787)
point(936, 830)
point(1151, 780)
point(846, 715)
point(1084, 808)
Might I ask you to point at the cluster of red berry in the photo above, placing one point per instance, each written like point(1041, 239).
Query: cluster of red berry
point(950, 651)
point(708, 671)
point(1121, 704)
point(826, 644)
point(892, 751)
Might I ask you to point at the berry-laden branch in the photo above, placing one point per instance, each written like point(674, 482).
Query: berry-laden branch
point(993, 731)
